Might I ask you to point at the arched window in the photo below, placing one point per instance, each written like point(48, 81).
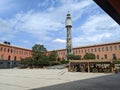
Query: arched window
point(15, 58)
point(98, 57)
point(9, 57)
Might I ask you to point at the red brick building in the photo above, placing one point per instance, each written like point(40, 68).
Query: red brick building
point(11, 55)
point(102, 51)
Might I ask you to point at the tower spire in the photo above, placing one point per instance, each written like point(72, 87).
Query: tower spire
point(69, 37)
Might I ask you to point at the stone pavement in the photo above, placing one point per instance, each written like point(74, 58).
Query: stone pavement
point(43, 79)
point(108, 82)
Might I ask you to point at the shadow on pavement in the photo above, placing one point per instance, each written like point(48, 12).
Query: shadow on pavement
point(107, 82)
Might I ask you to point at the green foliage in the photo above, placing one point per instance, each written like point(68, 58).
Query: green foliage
point(64, 62)
point(54, 63)
point(73, 57)
point(53, 56)
point(38, 59)
point(89, 56)
point(77, 57)
point(26, 62)
point(23, 62)
point(116, 61)
point(39, 48)
point(43, 61)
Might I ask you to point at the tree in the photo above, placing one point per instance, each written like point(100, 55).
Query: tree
point(53, 56)
point(89, 56)
point(38, 50)
point(43, 61)
point(27, 62)
point(23, 62)
point(77, 57)
point(38, 57)
point(73, 57)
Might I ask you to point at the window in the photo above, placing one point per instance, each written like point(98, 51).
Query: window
point(14, 51)
point(8, 63)
point(15, 58)
point(79, 51)
point(1, 49)
point(115, 47)
point(9, 58)
point(20, 57)
point(2, 57)
point(114, 57)
point(103, 49)
point(14, 63)
point(8, 50)
point(11, 50)
point(98, 57)
point(105, 56)
point(110, 48)
point(95, 50)
point(22, 52)
point(119, 47)
point(19, 52)
point(91, 50)
point(4, 49)
point(82, 51)
point(76, 51)
point(106, 48)
point(88, 50)
point(98, 49)
point(1, 62)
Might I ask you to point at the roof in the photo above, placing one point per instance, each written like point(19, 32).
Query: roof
point(90, 61)
point(95, 45)
point(111, 7)
point(14, 46)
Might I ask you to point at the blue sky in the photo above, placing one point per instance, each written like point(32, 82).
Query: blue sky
point(27, 22)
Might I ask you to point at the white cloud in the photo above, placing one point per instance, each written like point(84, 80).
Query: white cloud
point(59, 40)
point(99, 22)
point(97, 29)
point(45, 26)
point(6, 31)
point(42, 24)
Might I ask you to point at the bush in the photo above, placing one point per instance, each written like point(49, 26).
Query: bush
point(64, 62)
point(73, 57)
point(89, 56)
point(54, 63)
point(116, 61)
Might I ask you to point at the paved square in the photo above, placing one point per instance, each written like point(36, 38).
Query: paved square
point(25, 79)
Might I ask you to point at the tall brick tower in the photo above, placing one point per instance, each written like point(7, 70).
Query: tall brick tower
point(69, 37)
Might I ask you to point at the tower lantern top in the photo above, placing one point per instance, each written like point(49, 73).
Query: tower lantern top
point(68, 14)
point(68, 20)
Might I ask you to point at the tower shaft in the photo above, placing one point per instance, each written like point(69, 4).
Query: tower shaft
point(69, 41)
point(69, 37)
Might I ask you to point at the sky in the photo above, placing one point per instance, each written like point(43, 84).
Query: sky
point(25, 23)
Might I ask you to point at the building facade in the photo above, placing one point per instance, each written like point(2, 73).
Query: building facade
point(102, 51)
point(11, 55)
